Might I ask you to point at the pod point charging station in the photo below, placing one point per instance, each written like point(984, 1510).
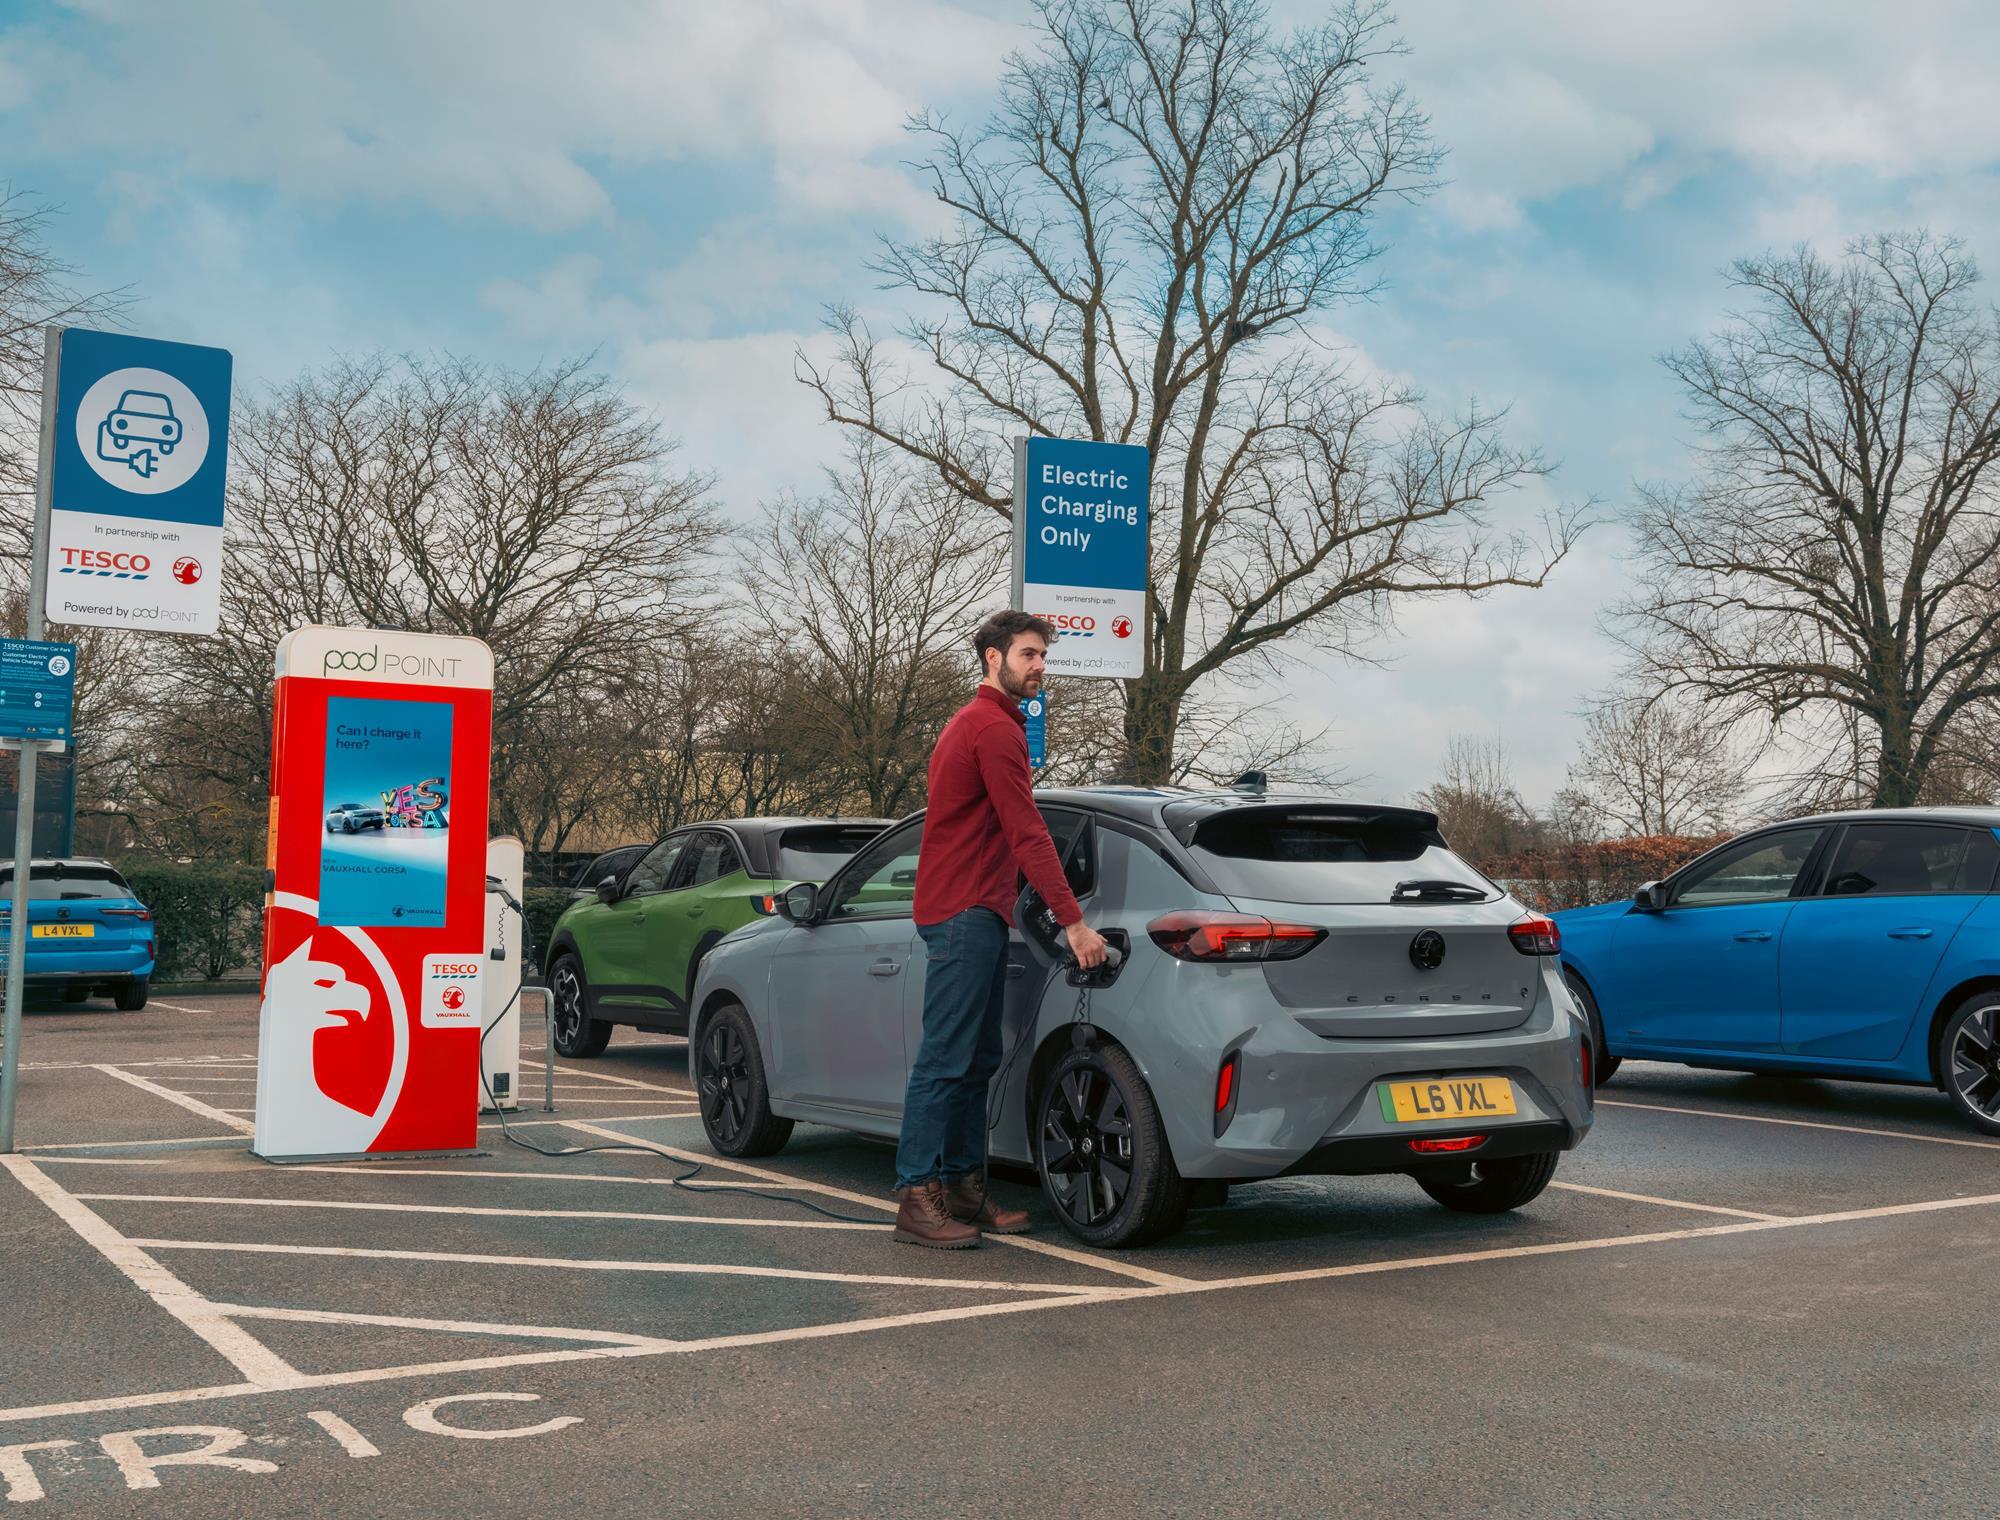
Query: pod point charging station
point(376, 928)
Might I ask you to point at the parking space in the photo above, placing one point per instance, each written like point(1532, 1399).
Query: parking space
point(1708, 1259)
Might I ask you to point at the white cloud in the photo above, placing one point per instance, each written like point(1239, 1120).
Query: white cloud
point(1542, 96)
point(516, 111)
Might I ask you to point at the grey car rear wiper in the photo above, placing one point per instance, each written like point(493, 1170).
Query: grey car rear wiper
point(1436, 891)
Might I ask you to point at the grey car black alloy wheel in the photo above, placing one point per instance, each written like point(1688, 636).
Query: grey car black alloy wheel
point(725, 1080)
point(1974, 1069)
point(1087, 1145)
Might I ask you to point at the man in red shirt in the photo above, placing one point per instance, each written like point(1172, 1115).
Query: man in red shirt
point(981, 831)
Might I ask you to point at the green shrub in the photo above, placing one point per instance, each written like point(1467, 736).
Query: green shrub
point(544, 906)
point(207, 914)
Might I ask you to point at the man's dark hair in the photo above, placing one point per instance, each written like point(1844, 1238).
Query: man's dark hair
point(1000, 630)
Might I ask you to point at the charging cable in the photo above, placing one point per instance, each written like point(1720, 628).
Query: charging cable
point(507, 1132)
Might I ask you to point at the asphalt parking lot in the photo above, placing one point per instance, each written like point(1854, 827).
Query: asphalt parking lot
point(1742, 1295)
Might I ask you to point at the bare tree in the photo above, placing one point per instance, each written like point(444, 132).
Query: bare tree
point(1658, 766)
point(1479, 809)
point(35, 293)
point(871, 591)
point(1170, 192)
point(1837, 563)
point(539, 512)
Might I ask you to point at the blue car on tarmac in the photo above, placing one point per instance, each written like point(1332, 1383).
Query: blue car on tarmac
point(1860, 945)
point(88, 933)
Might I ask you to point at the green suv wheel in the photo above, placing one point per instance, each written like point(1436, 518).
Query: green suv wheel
point(577, 1033)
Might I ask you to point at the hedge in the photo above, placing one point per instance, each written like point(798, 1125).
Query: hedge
point(207, 915)
point(544, 906)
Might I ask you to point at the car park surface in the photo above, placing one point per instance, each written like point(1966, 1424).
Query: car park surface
point(1739, 1286)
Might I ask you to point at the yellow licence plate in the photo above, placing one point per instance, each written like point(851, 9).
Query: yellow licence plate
point(1446, 1098)
point(63, 931)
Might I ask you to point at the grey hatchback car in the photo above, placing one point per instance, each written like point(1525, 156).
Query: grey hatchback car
point(1306, 987)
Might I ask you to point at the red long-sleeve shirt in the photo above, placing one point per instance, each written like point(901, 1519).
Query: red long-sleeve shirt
point(982, 824)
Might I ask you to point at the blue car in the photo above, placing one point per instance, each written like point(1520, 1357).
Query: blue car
point(1861, 945)
point(88, 934)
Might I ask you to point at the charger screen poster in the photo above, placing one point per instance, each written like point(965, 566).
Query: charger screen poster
point(387, 813)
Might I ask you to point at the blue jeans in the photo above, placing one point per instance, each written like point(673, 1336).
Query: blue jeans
point(944, 1108)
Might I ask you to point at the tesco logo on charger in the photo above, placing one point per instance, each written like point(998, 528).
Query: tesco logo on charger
point(454, 968)
point(106, 562)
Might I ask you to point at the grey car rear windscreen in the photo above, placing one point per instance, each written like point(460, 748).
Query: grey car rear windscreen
point(1299, 856)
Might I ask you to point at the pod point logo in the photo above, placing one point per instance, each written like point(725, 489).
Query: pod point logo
point(142, 431)
point(389, 666)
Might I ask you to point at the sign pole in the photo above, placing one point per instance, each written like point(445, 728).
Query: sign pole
point(30, 754)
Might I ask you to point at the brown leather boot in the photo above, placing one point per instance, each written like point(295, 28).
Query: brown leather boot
point(925, 1219)
point(969, 1201)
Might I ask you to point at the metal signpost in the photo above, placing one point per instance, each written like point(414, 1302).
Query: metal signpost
point(1080, 551)
point(128, 503)
point(1036, 710)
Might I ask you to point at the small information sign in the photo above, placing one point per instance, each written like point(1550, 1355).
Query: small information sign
point(37, 688)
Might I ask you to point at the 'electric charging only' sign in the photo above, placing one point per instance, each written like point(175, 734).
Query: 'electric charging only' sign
point(1080, 550)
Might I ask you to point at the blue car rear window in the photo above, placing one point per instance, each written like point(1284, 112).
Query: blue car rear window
point(74, 885)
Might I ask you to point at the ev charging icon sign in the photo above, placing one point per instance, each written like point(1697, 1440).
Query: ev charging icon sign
point(142, 431)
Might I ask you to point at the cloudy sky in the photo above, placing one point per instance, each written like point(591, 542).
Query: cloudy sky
point(682, 186)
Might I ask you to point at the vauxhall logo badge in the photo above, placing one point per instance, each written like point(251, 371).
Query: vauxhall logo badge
point(1427, 950)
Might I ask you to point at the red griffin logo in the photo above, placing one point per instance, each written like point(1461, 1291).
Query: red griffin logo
point(187, 570)
point(1122, 627)
point(453, 997)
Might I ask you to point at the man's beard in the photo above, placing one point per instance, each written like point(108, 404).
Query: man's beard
point(1020, 689)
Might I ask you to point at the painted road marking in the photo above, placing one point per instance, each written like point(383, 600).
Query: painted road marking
point(1670, 1203)
point(372, 1169)
point(587, 1264)
point(352, 1441)
point(605, 1076)
point(451, 1326)
point(192, 1105)
point(1846, 1129)
point(238, 1347)
point(1016, 1242)
point(181, 1007)
point(490, 1213)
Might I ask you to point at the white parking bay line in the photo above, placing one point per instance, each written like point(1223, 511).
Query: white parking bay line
point(1845, 1129)
point(179, 1007)
point(589, 1264)
point(491, 1213)
point(1669, 1203)
point(192, 1105)
point(451, 1326)
point(1017, 1242)
point(605, 1076)
point(248, 1355)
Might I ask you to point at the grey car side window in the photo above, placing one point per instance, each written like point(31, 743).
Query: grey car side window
point(880, 882)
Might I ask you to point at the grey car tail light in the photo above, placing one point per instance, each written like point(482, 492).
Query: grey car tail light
point(1193, 935)
point(1536, 935)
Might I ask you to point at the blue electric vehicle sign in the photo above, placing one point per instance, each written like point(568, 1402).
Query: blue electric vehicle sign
point(136, 483)
point(37, 689)
point(1035, 713)
point(1080, 550)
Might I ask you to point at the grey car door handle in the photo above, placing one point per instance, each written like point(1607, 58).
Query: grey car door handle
point(1753, 936)
point(1015, 968)
point(1909, 934)
point(885, 968)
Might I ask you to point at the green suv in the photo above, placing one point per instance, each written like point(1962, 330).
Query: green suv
point(628, 953)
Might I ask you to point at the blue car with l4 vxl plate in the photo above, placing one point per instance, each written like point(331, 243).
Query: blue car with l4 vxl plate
point(1860, 945)
point(88, 933)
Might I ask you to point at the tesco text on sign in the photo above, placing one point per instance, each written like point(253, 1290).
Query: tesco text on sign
point(1080, 550)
